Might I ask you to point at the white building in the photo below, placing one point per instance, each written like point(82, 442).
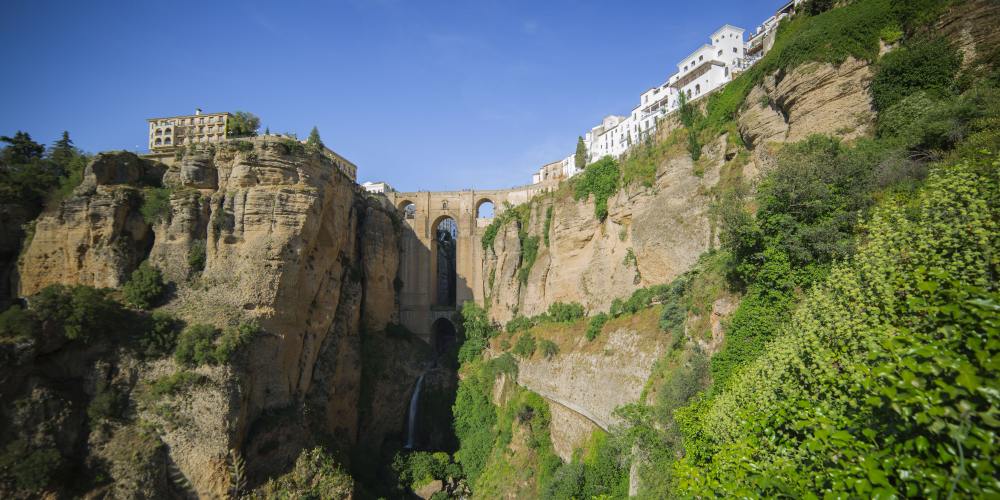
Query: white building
point(706, 69)
point(377, 187)
point(711, 66)
point(556, 171)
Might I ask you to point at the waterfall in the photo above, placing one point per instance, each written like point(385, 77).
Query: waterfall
point(414, 403)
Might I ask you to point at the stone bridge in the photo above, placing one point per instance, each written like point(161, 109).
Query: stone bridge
point(421, 308)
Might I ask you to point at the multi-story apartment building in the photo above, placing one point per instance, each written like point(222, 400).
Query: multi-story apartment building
point(176, 131)
point(706, 69)
point(711, 66)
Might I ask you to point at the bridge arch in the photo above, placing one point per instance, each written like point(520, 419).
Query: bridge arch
point(444, 258)
point(485, 208)
point(445, 335)
point(407, 209)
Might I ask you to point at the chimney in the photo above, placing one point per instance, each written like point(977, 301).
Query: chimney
point(197, 111)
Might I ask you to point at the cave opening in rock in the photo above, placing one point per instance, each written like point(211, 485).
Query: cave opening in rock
point(445, 335)
point(446, 235)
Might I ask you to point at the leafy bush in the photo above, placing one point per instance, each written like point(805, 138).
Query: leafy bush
point(145, 287)
point(17, 324)
point(529, 252)
point(596, 324)
point(477, 330)
point(929, 66)
point(196, 345)
point(525, 345)
point(519, 323)
point(548, 224)
point(549, 348)
point(108, 402)
point(80, 311)
point(315, 475)
point(203, 344)
point(565, 313)
point(600, 179)
point(196, 256)
point(159, 336)
point(885, 365)
point(173, 384)
point(155, 207)
point(28, 467)
point(233, 338)
point(420, 468)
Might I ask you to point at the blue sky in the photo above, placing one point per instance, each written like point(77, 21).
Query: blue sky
point(426, 95)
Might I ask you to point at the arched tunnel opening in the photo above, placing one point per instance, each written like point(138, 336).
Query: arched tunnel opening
point(445, 335)
point(446, 237)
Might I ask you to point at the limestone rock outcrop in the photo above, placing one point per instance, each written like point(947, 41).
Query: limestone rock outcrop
point(287, 241)
point(96, 236)
point(650, 236)
point(814, 98)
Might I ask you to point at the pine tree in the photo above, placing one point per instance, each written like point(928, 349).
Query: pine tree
point(581, 154)
point(21, 149)
point(63, 151)
point(267, 130)
point(314, 139)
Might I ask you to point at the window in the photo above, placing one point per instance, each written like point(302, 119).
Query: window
point(167, 141)
point(734, 51)
point(158, 141)
point(720, 51)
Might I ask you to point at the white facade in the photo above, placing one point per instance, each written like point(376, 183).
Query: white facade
point(556, 171)
point(706, 69)
point(711, 66)
point(376, 187)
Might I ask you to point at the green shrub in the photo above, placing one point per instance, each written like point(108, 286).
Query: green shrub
point(204, 344)
point(82, 312)
point(155, 207)
point(477, 330)
point(28, 467)
point(196, 256)
point(173, 384)
point(421, 467)
point(145, 287)
point(242, 146)
point(529, 252)
point(549, 348)
point(928, 65)
point(196, 345)
point(17, 324)
point(910, 319)
point(108, 402)
point(600, 179)
point(596, 324)
point(234, 338)
point(315, 475)
point(525, 345)
point(548, 224)
point(565, 313)
point(519, 323)
point(159, 337)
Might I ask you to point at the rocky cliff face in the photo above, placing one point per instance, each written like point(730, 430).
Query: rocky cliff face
point(289, 242)
point(97, 236)
point(650, 236)
point(815, 98)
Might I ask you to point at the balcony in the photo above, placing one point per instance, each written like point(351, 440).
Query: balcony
point(700, 69)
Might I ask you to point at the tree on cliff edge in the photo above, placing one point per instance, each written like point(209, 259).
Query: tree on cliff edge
point(242, 124)
point(581, 154)
point(314, 139)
